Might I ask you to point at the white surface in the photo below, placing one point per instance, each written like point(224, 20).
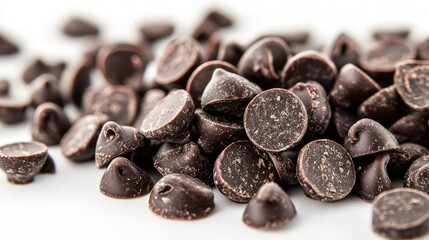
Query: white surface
point(68, 205)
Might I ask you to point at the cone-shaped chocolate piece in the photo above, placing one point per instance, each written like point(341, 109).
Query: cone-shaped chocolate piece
point(49, 124)
point(345, 50)
point(178, 196)
point(270, 208)
point(228, 93)
point(412, 128)
point(49, 166)
point(115, 140)
point(39, 67)
point(417, 176)
point(170, 120)
point(6, 46)
point(367, 136)
point(78, 27)
point(46, 90)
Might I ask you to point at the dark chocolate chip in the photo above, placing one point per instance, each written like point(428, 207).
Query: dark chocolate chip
point(285, 168)
point(78, 144)
point(91, 56)
point(211, 48)
point(45, 89)
point(90, 95)
point(79, 27)
point(12, 110)
point(39, 67)
point(228, 93)
point(230, 52)
point(401, 213)
point(412, 128)
point(275, 120)
point(367, 136)
point(412, 83)
point(417, 176)
point(7, 47)
point(178, 196)
point(403, 157)
point(219, 18)
point(399, 33)
point(309, 65)
point(179, 59)
point(48, 167)
point(344, 51)
point(201, 77)
point(343, 120)
point(325, 170)
point(352, 87)
point(385, 106)
point(270, 208)
point(313, 95)
point(423, 50)
point(155, 31)
point(49, 124)
point(372, 177)
point(21, 161)
point(115, 140)
point(147, 103)
point(123, 179)
point(171, 118)
point(263, 62)
point(74, 84)
point(212, 22)
point(186, 159)
point(240, 170)
point(4, 87)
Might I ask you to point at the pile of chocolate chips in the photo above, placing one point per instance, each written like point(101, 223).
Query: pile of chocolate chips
point(251, 120)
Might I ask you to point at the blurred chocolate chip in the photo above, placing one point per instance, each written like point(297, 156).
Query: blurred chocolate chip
point(171, 118)
point(115, 140)
point(367, 137)
point(403, 157)
point(263, 62)
point(48, 167)
point(13, 110)
point(78, 144)
point(147, 103)
point(4, 87)
point(39, 67)
point(275, 120)
point(211, 48)
point(90, 56)
point(7, 47)
point(49, 124)
point(155, 31)
point(344, 51)
point(423, 50)
point(90, 95)
point(309, 65)
point(123, 179)
point(270, 208)
point(228, 93)
point(178, 196)
point(73, 85)
point(412, 128)
point(213, 21)
point(313, 95)
point(325, 170)
point(230, 53)
point(240, 170)
point(399, 34)
point(285, 169)
point(417, 176)
point(79, 27)
point(45, 89)
point(21, 161)
point(352, 87)
point(343, 119)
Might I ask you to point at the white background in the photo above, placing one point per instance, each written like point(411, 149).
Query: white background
point(68, 205)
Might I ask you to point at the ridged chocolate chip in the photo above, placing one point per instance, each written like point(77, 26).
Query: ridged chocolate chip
point(39, 67)
point(423, 50)
point(21, 161)
point(13, 110)
point(123, 179)
point(263, 62)
point(76, 81)
point(372, 177)
point(115, 140)
point(313, 95)
point(275, 120)
point(230, 53)
point(45, 89)
point(417, 176)
point(78, 144)
point(270, 208)
point(403, 157)
point(399, 33)
point(309, 65)
point(171, 119)
point(79, 27)
point(4, 87)
point(401, 213)
point(285, 169)
point(367, 136)
point(344, 51)
point(186, 159)
point(240, 170)
point(147, 103)
point(181, 197)
point(228, 93)
point(343, 119)
point(352, 87)
point(49, 124)
point(325, 170)
point(156, 30)
point(412, 128)
point(48, 167)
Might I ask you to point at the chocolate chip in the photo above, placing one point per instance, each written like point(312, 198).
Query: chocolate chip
point(79, 27)
point(285, 169)
point(423, 50)
point(275, 120)
point(399, 33)
point(228, 93)
point(412, 128)
point(7, 47)
point(4, 87)
point(48, 167)
point(213, 21)
point(155, 31)
point(178, 196)
point(325, 170)
point(179, 59)
point(215, 132)
point(78, 144)
point(12, 110)
point(372, 177)
point(171, 119)
point(49, 124)
point(230, 52)
point(343, 119)
point(186, 159)
point(263, 62)
point(417, 176)
point(403, 157)
point(316, 102)
point(344, 51)
point(270, 208)
point(211, 47)
point(352, 87)
point(45, 89)
point(309, 65)
point(367, 136)
point(21, 161)
point(412, 83)
point(74, 84)
point(39, 67)
point(90, 56)
point(123, 179)
point(401, 214)
point(147, 103)
point(115, 140)
point(240, 170)
point(385, 106)
point(201, 77)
